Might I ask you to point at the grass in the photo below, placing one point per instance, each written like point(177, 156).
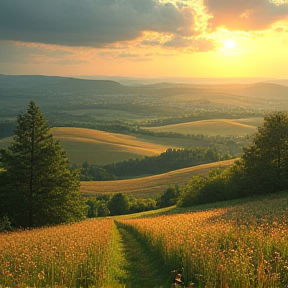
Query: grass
point(147, 187)
point(223, 127)
point(237, 244)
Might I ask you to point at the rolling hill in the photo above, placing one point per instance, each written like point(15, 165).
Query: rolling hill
point(99, 147)
point(213, 127)
point(148, 187)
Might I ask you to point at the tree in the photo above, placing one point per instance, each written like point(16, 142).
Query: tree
point(266, 160)
point(119, 204)
point(38, 186)
point(169, 197)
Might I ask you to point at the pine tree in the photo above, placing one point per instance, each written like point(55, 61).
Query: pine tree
point(38, 186)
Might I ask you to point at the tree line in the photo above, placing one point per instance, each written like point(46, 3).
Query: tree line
point(171, 159)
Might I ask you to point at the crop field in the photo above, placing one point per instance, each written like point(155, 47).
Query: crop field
point(100, 148)
point(61, 256)
point(147, 187)
point(238, 246)
point(223, 127)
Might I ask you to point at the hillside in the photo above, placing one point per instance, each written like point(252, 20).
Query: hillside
point(213, 127)
point(141, 250)
point(148, 187)
point(99, 147)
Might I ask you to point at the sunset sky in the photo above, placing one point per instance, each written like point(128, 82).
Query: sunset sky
point(145, 38)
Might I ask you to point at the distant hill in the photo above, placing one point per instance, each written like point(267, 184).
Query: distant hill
point(148, 187)
point(56, 84)
point(64, 93)
point(213, 127)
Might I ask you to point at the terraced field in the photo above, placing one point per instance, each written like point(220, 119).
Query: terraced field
point(148, 187)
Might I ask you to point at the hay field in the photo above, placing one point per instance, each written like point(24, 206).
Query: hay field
point(223, 127)
point(148, 187)
point(99, 147)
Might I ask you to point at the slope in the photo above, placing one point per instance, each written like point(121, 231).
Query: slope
point(213, 127)
point(99, 147)
point(148, 187)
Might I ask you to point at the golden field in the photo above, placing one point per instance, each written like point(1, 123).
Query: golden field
point(213, 127)
point(99, 147)
point(241, 244)
point(148, 187)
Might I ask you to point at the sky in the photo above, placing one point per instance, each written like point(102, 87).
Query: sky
point(145, 38)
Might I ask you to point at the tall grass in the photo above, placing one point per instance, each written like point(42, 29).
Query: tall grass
point(241, 246)
point(75, 255)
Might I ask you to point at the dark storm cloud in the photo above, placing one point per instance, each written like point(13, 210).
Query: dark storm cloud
point(245, 14)
point(93, 23)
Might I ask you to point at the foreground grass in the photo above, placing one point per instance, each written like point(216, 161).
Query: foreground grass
point(148, 187)
point(237, 244)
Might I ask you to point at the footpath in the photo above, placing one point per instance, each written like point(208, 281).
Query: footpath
point(139, 270)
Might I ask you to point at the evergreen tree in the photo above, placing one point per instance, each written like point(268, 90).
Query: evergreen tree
point(37, 186)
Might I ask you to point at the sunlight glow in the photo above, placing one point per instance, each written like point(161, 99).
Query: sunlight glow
point(229, 44)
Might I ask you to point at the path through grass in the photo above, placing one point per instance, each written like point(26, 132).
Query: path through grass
point(141, 269)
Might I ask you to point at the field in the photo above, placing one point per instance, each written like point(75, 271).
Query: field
point(238, 245)
point(57, 256)
point(147, 187)
point(99, 147)
point(235, 244)
point(223, 127)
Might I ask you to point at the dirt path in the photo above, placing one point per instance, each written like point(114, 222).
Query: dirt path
point(141, 270)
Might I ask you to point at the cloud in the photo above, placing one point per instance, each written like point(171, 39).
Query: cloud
point(245, 15)
point(92, 23)
point(17, 52)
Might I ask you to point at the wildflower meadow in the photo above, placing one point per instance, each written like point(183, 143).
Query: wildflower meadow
point(75, 255)
point(241, 246)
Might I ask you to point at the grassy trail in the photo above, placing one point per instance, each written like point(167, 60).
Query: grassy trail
point(141, 269)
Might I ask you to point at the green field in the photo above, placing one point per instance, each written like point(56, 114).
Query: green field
point(148, 187)
point(222, 127)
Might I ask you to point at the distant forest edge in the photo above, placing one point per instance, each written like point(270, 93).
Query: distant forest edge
point(172, 159)
point(149, 186)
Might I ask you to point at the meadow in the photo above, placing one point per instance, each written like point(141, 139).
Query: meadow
point(236, 244)
point(62, 256)
point(150, 186)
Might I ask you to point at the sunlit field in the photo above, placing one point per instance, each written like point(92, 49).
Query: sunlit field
point(223, 127)
point(63, 256)
point(240, 246)
point(148, 187)
point(99, 147)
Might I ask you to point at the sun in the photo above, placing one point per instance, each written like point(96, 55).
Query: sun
point(229, 44)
